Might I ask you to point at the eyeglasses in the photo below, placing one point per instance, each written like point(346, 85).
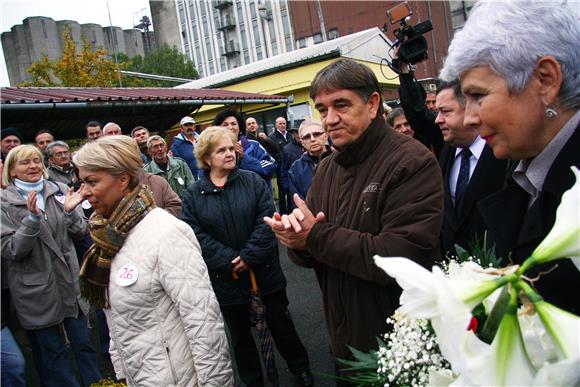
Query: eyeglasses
point(311, 136)
point(61, 154)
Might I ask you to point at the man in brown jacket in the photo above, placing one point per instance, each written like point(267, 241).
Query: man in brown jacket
point(379, 193)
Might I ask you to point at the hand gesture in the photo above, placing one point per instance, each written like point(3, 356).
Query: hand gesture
point(239, 150)
point(292, 230)
point(239, 265)
point(31, 203)
point(72, 199)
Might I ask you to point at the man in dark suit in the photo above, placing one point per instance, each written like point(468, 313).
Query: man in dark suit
point(470, 172)
point(281, 137)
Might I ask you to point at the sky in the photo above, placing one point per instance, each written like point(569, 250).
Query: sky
point(124, 14)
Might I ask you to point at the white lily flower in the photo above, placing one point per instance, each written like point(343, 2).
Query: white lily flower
point(505, 362)
point(432, 296)
point(562, 373)
point(539, 344)
point(439, 377)
point(419, 300)
point(563, 327)
point(564, 238)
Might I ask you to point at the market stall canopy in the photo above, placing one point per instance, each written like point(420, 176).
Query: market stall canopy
point(65, 111)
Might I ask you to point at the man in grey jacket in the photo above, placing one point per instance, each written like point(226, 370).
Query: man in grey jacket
point(60, 167)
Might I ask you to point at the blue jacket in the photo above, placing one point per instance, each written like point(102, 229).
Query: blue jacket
point(228, 223)
point(183, 148)
point(256, 159)
point(301, 172)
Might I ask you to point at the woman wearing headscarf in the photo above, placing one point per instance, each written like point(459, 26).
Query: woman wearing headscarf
point(40, 218)
point(225, 208)
point(522, 88)
point(145, 269)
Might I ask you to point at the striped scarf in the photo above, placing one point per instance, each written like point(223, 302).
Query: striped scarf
point(108, 236)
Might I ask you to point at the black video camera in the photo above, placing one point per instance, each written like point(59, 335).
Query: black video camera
point(413, 44)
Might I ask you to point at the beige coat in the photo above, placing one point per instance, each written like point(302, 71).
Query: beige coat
point(166, 328)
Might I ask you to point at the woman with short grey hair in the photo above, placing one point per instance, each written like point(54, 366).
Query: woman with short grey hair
point(518, 65)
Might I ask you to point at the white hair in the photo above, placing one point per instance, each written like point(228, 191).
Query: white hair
point(308, 122)
point(510, 37)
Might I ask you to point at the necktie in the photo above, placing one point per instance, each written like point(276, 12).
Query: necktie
point(463, 177)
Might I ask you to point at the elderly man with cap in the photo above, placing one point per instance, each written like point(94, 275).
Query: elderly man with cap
point(184, 143)
point(11, 138)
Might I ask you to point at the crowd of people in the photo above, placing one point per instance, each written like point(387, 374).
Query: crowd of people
point(168, 245)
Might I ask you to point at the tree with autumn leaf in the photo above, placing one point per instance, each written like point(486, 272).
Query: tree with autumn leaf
point(89, 68)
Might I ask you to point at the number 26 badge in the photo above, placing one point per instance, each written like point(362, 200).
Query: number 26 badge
point(127, 275)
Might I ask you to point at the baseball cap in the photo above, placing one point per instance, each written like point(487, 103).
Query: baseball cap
point(187, 120)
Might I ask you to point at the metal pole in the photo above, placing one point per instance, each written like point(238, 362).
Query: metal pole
point(321, 19)
point(114, 45)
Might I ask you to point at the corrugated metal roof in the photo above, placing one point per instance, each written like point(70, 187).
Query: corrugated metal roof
point(348, 46)
point(65, 111)
point(26, 95)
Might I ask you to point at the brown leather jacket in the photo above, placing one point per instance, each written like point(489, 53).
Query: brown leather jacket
point(381, 195)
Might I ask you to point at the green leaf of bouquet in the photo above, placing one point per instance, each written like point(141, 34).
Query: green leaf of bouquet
point(462, 254)
point(495, 316)
point(363, 356)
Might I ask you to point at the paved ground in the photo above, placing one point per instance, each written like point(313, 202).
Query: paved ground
point(306, 309)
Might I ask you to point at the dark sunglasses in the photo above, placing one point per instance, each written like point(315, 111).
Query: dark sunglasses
point(311, 136)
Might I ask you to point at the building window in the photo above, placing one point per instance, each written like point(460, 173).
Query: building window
point(333, 33)
point(317, 38)
point(286, 27)
point(301, 42)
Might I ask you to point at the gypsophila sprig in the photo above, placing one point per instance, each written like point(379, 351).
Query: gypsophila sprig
point(411, 352)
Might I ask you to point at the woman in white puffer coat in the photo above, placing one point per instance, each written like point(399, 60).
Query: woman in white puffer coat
point(145, 268)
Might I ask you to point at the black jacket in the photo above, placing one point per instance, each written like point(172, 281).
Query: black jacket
point(421, 119)
point(228, 223)
point(290, 153)
point(517, 230)
point(461, 227)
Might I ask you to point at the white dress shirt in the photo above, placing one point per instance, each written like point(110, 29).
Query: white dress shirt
point(476, 149)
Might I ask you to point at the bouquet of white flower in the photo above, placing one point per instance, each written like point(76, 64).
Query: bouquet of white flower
point(524, 340)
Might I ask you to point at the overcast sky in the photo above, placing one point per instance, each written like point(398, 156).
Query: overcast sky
point(124, 13)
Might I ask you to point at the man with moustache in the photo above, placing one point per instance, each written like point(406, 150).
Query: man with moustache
point(183, 145)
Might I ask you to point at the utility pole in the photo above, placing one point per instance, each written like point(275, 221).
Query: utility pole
point(113, 40)
point(321, 19)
